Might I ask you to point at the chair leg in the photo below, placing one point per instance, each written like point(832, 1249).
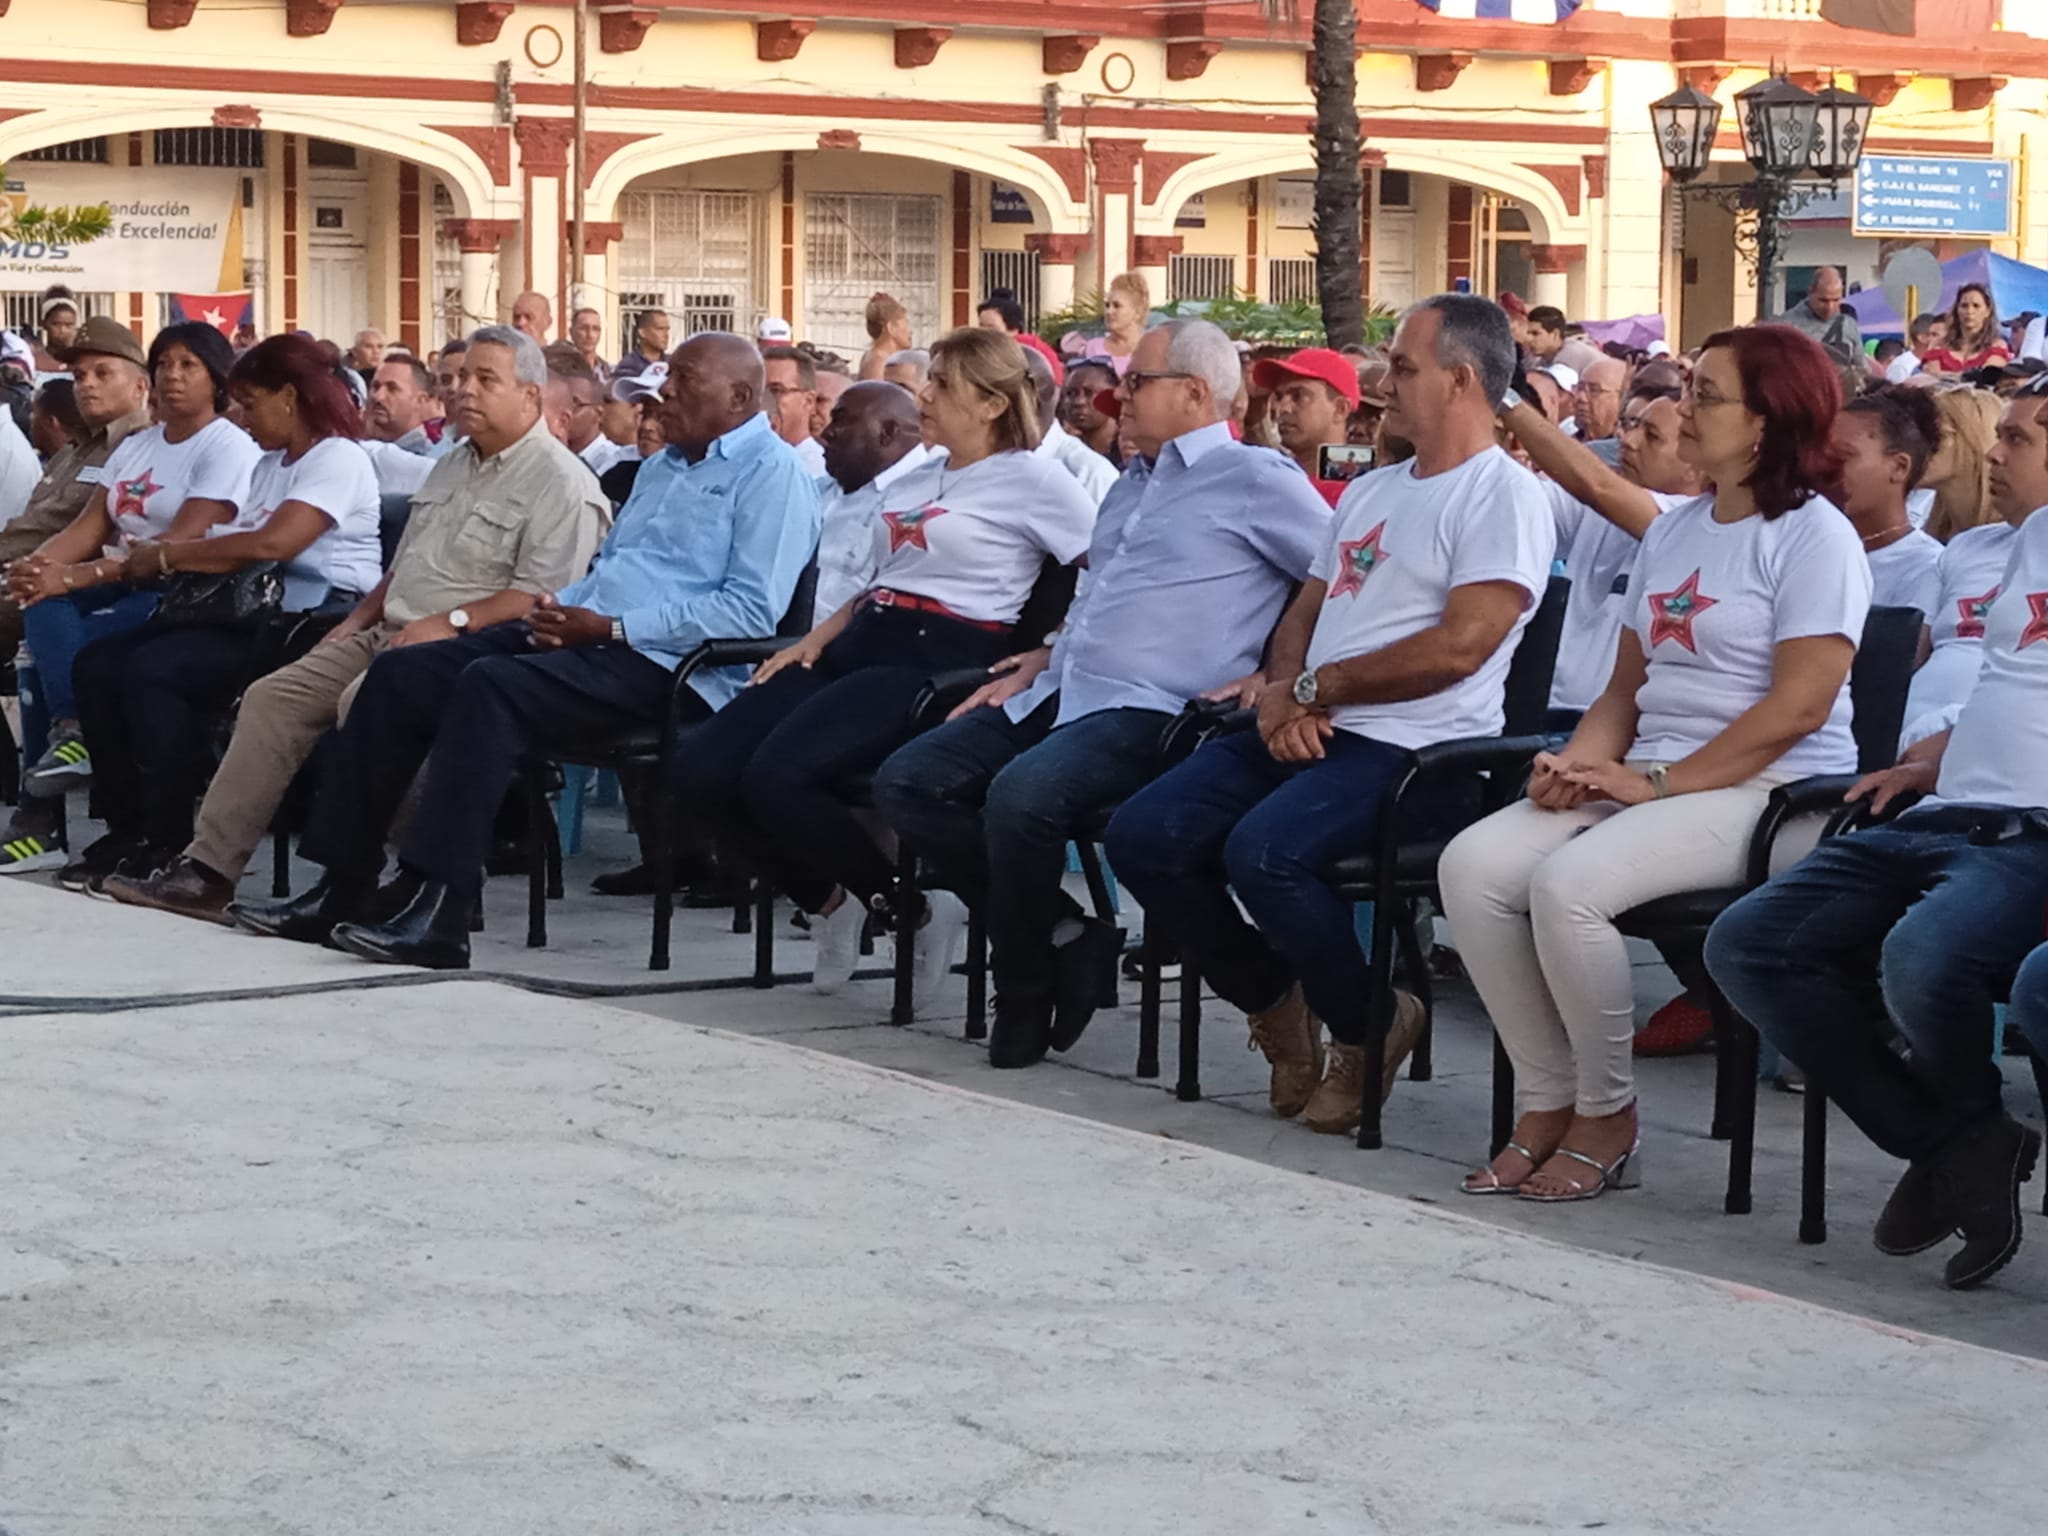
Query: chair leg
point(1149, 1000)
point(743, 908)
point(1742, 1112)
point(540, 826)
point(1422, 1065)
point(1813, 1169)
point(280, 864)
point(1189, 1088)
point(977, 976)
point(1098, 883)
point(764, 933)
point(1725, 1086)
point(1379, 1002)
point(662, 835)
point(909, 913)
point(551, 845)
point(1503, 1097)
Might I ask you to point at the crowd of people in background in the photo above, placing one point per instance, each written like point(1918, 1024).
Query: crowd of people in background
point(1347, 545)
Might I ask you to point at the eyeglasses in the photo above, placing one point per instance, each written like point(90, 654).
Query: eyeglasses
point(1133, 381)
point(1593, 391)
point(1706, 402)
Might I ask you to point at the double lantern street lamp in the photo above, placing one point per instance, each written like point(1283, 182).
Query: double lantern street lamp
point(1789, 134)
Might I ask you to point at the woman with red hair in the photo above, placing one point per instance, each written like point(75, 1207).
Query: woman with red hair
point(148, 698)
point(1740, 622)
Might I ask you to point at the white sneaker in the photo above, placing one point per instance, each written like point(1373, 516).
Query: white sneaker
point(837, 937)
point(941, 945)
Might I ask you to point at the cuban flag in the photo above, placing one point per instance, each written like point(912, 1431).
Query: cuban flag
point(1542, 12)
point(225, 312)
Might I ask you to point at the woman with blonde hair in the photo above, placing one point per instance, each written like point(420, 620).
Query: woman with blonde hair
point(1956, 476)
point(888, 334)
point(1125, 309)
point(960, 542)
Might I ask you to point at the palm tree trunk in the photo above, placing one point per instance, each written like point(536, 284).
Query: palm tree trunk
point(1340, 187)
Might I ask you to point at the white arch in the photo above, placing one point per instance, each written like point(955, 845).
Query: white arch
point(1545, 206)
point(461, 170)
point(705, 141)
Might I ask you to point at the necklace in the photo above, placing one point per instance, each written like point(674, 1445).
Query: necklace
point(1897, 531)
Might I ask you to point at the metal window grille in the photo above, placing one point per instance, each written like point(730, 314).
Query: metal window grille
point(1200, 277)
point(690, 253)
point(77, 152)
point(858, 244)
point(23, 311)
point(448, 314)
point(1291, 280)
point(1016, 271)
point(238, 147)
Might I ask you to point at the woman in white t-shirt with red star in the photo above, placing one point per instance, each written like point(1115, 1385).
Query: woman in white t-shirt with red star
point(1731, 677)
point(961, 542)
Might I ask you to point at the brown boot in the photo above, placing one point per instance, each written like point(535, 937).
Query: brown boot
point(1292, 1038)
point(1339, 1100)
point(184, 886)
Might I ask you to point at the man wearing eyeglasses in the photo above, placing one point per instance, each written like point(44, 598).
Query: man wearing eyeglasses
point(575, 411)
point(1596, 400)
point(792, 396)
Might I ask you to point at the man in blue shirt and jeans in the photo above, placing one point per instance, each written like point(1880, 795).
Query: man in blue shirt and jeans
point(710, 546)
point(1196, 550)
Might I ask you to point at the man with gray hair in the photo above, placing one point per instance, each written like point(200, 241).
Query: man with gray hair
point(1195, 550)
point(507, 515)
point(910, 368)
point(1400, 637)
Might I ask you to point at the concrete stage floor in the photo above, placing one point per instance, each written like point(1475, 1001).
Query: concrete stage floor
point(461, 1258)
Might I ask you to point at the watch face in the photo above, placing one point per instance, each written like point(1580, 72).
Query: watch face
point(1305, 688)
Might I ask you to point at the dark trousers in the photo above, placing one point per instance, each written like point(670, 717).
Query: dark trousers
point(767, 770)
point(148, 700)
point(1231, 818)
point(1875, 961)
point(992, 804)
point(468, 710)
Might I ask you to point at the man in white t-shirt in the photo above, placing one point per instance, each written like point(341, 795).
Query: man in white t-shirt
point(1095, 473)
point(1401, 637)
point(1904, 935)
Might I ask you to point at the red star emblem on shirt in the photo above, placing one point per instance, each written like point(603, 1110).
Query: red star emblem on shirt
point(1970, 614)
point(131, 497)
point(1356, 560)
point(1672, 613)
point(2037, 626)
point(907, 529)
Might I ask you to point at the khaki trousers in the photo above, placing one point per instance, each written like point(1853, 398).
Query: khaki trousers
point(283, 717)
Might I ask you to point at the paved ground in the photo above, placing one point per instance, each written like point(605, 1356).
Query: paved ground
point(457, 1257)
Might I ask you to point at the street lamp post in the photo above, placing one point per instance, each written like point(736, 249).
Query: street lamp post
point(1788, 134)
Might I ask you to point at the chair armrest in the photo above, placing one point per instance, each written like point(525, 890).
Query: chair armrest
point(1820, 792)
point(714, 653)
point(1492, 754)
point(943, 693)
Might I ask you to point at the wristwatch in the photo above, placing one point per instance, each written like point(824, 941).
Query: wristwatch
point(1509, 401)
point(618, 631)
point(1305, 688)
point(458, 620)
point(1660, 786)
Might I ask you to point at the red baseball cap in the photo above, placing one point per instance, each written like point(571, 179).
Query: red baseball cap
point(1110, 402)
point(1038, 345)
point(1333, 368)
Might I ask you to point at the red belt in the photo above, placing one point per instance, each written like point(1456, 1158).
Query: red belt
point(886, 597)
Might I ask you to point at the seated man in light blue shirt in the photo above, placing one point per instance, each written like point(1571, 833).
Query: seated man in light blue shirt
point(1196, 551)
point(711, 545)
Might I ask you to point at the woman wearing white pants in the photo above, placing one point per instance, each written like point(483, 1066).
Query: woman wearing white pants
point(1731, 675)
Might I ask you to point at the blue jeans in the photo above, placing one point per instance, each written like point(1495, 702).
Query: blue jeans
point(1874, 963)
point(2028, 1007)
point(991, 804)
point(55, 631)
point(1231, 818)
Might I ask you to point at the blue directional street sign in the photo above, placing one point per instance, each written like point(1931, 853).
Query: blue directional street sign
point(1933, 195)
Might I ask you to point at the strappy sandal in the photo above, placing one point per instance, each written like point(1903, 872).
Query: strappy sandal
point(1496, 1187)
point(1625, 1172)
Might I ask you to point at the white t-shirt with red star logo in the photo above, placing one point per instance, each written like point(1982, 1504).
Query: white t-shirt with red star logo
point(1971, 570)
point(335, 479)
point(1712, 602)
point(976, 538)
point(1999, 752)
point(148, 477)
point(1401, 543)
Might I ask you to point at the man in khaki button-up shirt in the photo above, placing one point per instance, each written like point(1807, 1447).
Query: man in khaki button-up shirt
point(508, 515)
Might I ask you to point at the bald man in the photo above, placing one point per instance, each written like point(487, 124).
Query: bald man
point(532, 314)
point(710, 545)
point(871, 442)
point(1596, 399)
point(1824, 317)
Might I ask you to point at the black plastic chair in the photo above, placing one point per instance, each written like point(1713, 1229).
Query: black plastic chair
point(1878, 682)
point(646, 749)
point(394, 511)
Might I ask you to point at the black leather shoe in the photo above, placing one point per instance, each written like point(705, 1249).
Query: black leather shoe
point(1021, 1033)
point(1980, 1173)
point(310, 916)
point(1915, 1218)
point(1083, 979)
point(432, 931)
